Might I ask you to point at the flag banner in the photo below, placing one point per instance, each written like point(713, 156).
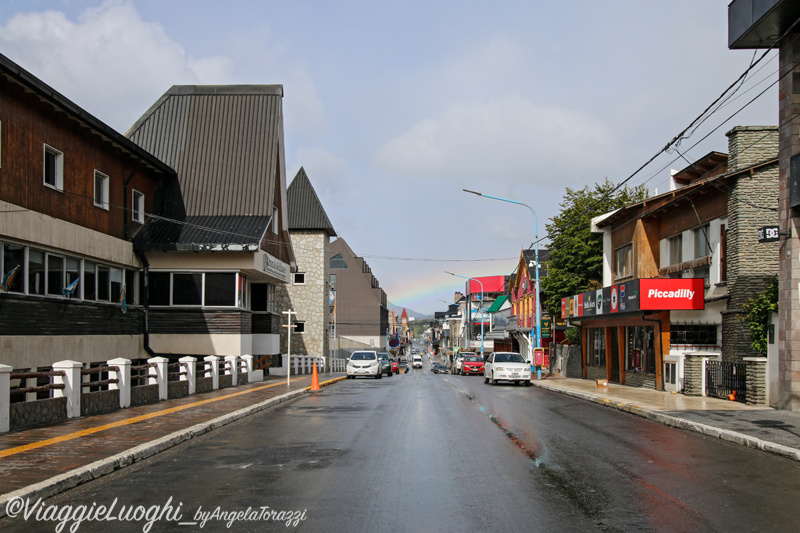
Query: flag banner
point(8, 279)
point(123, 299)
point(69, 289)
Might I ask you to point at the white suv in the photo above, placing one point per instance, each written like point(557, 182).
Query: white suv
point(364, 363)
point(416, 362)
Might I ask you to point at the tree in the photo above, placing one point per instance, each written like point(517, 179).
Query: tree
point(575, 264)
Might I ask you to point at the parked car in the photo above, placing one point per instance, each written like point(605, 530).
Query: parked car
point(416, 362)
point(458, 362)
point(472, 364)
point(506, 366)
point(386, 364)
point(364, 363)
point(439, 368)
point(395, 365)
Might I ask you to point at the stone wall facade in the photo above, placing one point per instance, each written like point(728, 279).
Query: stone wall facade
point(751, 204)
point(99, 402)
point(756, 381)
point(27, 414)
point(789, 295)
point(310, 300)
point(693, 369)
point(644, 381)
point(595, 372)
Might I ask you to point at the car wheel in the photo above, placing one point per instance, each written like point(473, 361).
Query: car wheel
point(379, 376)
point(494, 381)
point(389, 374)
point(485, 379)
point(527, 383)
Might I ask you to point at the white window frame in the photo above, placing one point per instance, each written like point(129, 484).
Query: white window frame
point(59, 168)
point(137, 211)
point(675, 248)
point(294, 278)
point(699, 236)
point(302, 330)
point(626, 252)
point(104, 182)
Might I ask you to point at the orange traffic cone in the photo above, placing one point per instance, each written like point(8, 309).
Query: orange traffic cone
point(732, 396)
point(314, 379)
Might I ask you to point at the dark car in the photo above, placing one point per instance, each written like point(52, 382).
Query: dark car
point(386, 364)
point(439, 368)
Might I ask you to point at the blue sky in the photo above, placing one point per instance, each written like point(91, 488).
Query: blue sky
point(393, 108)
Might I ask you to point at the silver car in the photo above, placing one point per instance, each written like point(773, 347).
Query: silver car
point(506, 366)
point(364, 363)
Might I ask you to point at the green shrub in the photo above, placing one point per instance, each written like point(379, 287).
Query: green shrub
point(757, 313)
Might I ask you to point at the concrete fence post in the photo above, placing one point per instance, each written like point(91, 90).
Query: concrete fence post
point(248, 367)
point(694, 374)
point(214, 360)
point(233, 361)
point(5, 398)
point(190, 369)
point(756, 380)
point(161, 375)
point(123, 376)
point(72, 386)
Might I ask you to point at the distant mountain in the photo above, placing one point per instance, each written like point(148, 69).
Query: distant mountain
point(410, 312)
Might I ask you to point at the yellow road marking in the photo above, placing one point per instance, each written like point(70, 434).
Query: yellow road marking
point(135, 419)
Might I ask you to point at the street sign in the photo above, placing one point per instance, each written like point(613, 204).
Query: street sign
point(769, 234)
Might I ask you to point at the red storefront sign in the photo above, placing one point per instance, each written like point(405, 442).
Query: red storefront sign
point(671, 294)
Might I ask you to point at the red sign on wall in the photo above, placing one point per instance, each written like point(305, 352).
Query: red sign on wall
point(666, 294)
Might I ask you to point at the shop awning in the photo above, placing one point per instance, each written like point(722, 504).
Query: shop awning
point(498, 304)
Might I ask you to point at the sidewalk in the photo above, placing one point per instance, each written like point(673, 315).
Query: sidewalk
point(43, 461)
point(763, 428)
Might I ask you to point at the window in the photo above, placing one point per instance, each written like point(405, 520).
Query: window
point(640, 353)
point(300, 326)
point(596, 347)
point(693, 335)
point(53, 168)
point(623, 259)
point(337, 261)
point(187, 289)
point(676, 250)
point(13, 256)
point(137, 207)
point(333, 279)
point(271, 298)
point(103, 283)
point(701, 246)
point(211, 289)
point(299, 278)
point(221, 289)
point(55, 274)
point(35, 271)
point(101, 190)
point(670, 373)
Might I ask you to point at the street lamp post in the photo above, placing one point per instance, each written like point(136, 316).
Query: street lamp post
point(481, 284)
point(536, 260)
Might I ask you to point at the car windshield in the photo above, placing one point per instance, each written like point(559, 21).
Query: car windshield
point(473, 359)
point(363, 356)
point(508, 358)
point(383, 356)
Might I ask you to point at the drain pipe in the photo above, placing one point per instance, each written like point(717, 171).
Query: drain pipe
point(146, 304)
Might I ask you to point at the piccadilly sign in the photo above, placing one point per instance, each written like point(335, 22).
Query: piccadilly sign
point(662, 294)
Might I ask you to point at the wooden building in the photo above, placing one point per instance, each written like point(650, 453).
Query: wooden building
point(73, 194)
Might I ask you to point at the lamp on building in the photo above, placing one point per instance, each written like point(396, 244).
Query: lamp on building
point(538, 327)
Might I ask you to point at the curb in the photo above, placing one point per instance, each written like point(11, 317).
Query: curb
point(680, 423)
point(68, 480)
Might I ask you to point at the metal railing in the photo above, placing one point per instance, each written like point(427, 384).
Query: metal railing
point(726, 380)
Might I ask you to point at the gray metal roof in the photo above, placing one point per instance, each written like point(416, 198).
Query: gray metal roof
point(202, 233)
point(305, 209)
point(224, 141)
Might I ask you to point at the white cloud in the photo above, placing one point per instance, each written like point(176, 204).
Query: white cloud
point(502, 139)
point(110, 62)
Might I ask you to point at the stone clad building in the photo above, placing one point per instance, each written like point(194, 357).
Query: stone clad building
point(307, 294)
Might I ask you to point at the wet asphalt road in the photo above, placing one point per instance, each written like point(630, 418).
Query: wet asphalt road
point(422, 452)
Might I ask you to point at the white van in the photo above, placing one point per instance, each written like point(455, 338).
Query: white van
point(416, 362)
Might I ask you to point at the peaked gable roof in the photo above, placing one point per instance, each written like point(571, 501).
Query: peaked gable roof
point(225, 143)
point(305, 209)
